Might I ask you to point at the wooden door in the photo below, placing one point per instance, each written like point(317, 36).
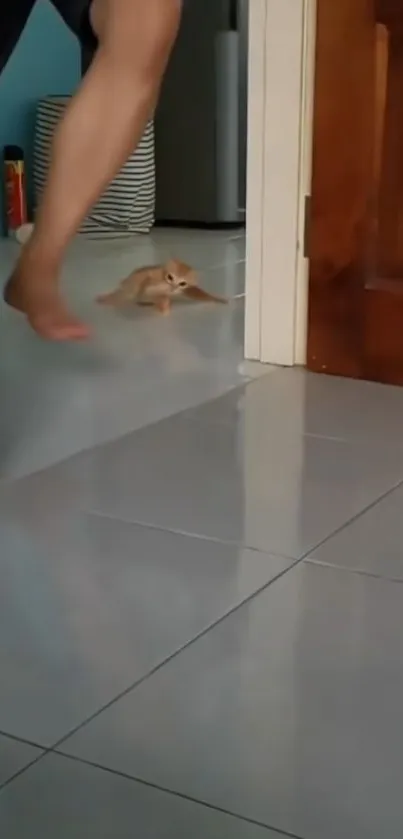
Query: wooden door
point(355, 324)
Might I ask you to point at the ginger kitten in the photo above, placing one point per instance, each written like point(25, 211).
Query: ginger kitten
point(158, 285)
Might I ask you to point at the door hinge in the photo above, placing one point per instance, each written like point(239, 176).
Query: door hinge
point(307, 227)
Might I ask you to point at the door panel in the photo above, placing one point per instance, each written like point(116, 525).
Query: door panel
point(355, 323)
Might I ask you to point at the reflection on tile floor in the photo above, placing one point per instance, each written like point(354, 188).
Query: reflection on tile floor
point(201, 614)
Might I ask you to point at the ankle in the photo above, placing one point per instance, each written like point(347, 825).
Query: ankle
point(39, 261)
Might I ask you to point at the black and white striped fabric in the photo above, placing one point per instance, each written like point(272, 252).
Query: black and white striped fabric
point(128, 206)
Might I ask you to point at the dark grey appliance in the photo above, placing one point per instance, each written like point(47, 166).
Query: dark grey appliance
point(201, 120)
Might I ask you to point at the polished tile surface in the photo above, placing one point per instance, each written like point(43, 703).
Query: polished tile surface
point(298, 402)
point(14, 756)
point(89, 605)
point(290, 712)
point(65, 799)
point(150, 619)
point(139, 367)
point(372, 543)
point(243, 483)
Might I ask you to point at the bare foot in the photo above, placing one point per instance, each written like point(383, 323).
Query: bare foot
point(44, 310)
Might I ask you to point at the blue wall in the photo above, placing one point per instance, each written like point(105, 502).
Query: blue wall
point(46, 61)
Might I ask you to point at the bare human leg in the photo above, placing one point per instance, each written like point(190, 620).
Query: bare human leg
point(101, 127)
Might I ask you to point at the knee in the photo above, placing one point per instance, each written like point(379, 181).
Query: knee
point(138, 34)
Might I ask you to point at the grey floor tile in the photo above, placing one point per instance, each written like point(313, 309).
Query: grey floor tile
point(14, 756)
point(297, 401)
point(89, 605)
point(276, 492)
point(372, 543)
point(65, 799)
point(290, 712)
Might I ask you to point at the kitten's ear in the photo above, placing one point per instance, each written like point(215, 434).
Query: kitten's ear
point(196, 293)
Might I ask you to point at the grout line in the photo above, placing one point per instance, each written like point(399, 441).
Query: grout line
point(21, 740)
point(174, 793)
point(146, 676)
point(365, 442)
point(187, 534)
point(345, 525)
point(307, 557)
point(358, 572)
point(23, 770)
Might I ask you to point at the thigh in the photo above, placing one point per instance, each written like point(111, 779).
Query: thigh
point(13, 17)
point(143, 30)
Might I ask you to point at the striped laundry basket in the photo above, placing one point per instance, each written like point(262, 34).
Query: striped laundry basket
point(128, 205)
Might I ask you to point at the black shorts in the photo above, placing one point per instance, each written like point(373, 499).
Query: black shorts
point(15, 13)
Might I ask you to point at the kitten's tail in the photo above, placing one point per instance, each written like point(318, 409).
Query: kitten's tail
point(196, 293)
point(114, 298)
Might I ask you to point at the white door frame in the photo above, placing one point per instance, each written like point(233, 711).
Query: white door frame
point(280, 101)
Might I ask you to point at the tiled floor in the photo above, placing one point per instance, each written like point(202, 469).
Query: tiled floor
point(202, 618)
